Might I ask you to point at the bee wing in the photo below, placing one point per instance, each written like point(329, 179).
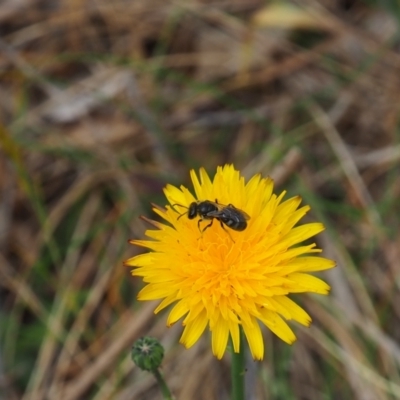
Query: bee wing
point(245, 215)
point(214, 214)
point(222, 207)
point(218, 205)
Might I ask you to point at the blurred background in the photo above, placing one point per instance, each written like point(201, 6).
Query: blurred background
point(102, 103)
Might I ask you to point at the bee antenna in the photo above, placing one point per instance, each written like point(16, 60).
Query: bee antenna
point(180, 205)
point(177, 204)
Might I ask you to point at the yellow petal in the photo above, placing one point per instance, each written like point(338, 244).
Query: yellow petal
point(308, 283)
point(290, 310)
point(254, 338)
point(206, 185)
point(174, 195)
point(277, 325)
point(141, 260)
point(197, 186)
point(193, 331)
point(235, 335)
point(310, 264)
point(165, 303)
point(154, 292)
point(179, 310)
point(304, 232)
point(220, 336)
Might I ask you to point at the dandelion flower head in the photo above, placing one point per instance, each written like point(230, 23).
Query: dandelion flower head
point(225, 279)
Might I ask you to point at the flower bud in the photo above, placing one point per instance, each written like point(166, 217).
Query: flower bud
point(147, 353)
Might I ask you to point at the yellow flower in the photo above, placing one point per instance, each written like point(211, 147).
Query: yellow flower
point(223, 278)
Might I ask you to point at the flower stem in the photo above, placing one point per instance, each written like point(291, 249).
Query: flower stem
point(163, 385)
point(238, 370)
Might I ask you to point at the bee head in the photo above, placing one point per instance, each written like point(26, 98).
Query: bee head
point(192, 210)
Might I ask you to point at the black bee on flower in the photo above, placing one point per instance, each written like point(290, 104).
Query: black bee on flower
point(227, 215)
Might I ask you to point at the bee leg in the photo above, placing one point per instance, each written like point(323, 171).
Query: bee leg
point(223, 227)
point(206, 227)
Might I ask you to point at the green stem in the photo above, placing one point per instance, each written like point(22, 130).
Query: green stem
point(163, 385)
point(238, 370)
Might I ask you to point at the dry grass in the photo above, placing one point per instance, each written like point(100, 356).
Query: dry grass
point(104, 102)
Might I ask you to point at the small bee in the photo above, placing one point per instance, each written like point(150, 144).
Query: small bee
point(227, 215)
